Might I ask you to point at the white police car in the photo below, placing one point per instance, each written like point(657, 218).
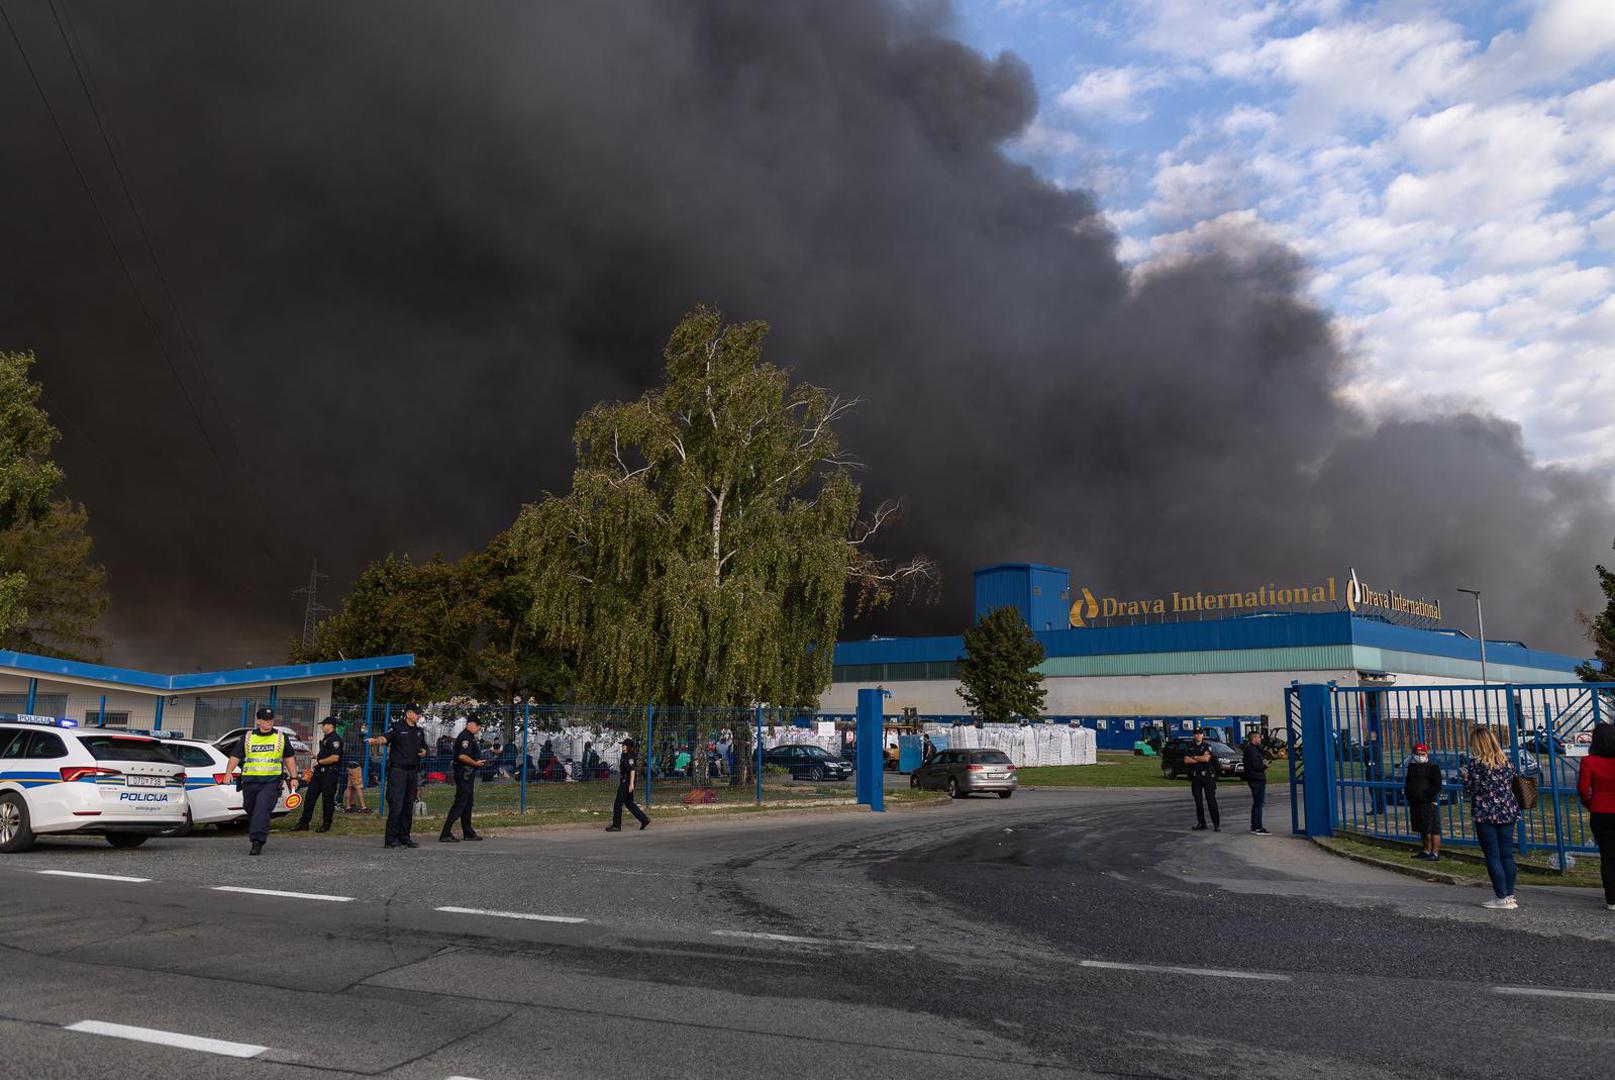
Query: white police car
point(57, 779)
point(211, 794)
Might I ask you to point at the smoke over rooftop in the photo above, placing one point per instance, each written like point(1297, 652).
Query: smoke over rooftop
point(407, 252)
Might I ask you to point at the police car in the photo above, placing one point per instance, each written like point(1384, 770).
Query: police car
point(57, 779)
point(211, 794)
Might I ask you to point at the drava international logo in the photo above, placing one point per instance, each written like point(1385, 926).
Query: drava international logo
point(1358, 597)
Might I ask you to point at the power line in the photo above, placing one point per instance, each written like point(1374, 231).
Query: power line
point(106, 229)
point(86, 83)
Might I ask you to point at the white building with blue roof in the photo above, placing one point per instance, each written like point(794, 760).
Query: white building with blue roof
point(201, 705)
point(1215, 655)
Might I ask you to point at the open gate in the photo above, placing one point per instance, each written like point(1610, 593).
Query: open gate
point(1355, 742)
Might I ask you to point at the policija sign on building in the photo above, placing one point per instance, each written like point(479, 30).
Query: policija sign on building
point(1356, 595)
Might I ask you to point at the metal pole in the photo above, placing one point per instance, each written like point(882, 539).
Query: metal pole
point(650, 729)
point(369, 718)
point(757, 737)
point(157, 718)
point(103, 715)
point(387, 725)
point(33, 693)
point(1480, 621)
point(527, 716)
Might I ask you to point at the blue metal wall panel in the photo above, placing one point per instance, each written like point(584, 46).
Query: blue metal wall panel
point(1297, 631)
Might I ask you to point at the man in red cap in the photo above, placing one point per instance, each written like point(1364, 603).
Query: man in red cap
point(1423, 790)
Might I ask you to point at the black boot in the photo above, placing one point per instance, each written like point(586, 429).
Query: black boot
point(257, 848)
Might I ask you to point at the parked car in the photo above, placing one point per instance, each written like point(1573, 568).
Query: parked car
point(211, 795)
point(966, 772)
point(1229, 762)
point(1538, 742)
point(1450, 761)
point(807, 762)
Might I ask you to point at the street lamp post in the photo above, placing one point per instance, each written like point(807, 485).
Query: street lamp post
point(1480, 621)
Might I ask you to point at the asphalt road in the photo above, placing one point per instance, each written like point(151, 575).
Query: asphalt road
point(1061, 933)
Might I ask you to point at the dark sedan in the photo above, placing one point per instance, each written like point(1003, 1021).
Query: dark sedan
point(1227, 760)
point(807, 763)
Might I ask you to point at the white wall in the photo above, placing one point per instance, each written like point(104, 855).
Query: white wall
point(179, 711)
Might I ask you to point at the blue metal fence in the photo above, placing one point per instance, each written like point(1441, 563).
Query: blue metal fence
point(530, 749)
point(1355, 743)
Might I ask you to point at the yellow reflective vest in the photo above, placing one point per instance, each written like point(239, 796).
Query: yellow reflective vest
point(263, 756)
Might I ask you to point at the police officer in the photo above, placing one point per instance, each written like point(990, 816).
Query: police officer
point(323, 780)
point(406, 745)
point(266, 755)
point(467, 756)
point(627, 767)
point(1203, 780)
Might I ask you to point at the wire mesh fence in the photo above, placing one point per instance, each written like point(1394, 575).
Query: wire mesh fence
point(1544, 729)
point(566, 760)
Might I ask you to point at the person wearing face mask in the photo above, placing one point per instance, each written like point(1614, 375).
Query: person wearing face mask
point(1423, 790)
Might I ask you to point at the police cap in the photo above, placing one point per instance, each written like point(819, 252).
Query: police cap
point(266, 713)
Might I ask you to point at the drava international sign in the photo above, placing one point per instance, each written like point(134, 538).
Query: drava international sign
point(1356, 594)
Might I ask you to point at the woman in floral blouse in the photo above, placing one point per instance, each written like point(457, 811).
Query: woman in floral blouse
point(1489, 784)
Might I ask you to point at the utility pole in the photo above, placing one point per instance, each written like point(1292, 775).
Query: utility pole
point(312, 609)
point(1480, 622)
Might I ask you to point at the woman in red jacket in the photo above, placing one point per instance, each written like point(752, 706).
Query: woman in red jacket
point(1596, 783)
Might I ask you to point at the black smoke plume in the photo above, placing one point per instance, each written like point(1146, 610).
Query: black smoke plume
point(409, 243)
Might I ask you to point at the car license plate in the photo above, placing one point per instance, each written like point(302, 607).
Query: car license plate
point(144, 781)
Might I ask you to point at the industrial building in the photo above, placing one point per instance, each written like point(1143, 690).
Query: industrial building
point(1192, 653)
point(200, 705)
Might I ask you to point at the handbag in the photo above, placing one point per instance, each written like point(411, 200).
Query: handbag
point(1525, 791)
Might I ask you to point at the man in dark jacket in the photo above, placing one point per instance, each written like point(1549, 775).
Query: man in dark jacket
point(1256, 777)
point(1423, 790)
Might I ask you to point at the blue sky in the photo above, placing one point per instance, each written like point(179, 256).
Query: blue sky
point(1447, 170)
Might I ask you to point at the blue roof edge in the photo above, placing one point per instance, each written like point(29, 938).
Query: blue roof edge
point(147, 680)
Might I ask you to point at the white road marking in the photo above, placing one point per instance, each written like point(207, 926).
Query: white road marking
point(278, 892)
point(794, 940)
point(1219, 973)
point(97, 877)
point(168, 1038)
point(511, 915)
point(1535, 991)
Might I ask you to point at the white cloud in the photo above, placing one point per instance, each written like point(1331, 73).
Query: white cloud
point(1113, 92)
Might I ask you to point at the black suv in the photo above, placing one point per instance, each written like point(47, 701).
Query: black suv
point(1225, 757)
point(808, 762)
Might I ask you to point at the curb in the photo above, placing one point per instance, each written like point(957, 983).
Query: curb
point(1435, 876)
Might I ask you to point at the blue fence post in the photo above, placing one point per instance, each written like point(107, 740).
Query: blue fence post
point(872, 748)
point(1549, 729)
point(274, 697)
point(33, 694)
point(1511, 712)
point(1317, 758)
point(157, 714)
point(527, 717)
point(650, 729)
point(369, 731)
point(386, 725)
point(757, 737)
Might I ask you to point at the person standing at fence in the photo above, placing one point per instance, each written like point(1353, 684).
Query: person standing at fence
point(627, 768)
point(1256, 777)
point(1203, 782)
point(266, 758)
point(1488, 782)
point(406, 745)
point(353, 797)
point(1595, 783)
point(322, 778)
point(467, 751)
point(1422, 787)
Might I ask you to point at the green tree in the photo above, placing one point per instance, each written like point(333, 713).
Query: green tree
point(1601, 632)
point(465, 621)
point(706, 549)
point(51, 594)
point(998, 676)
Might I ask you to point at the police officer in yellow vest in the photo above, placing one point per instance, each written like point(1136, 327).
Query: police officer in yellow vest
point(266, 755)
